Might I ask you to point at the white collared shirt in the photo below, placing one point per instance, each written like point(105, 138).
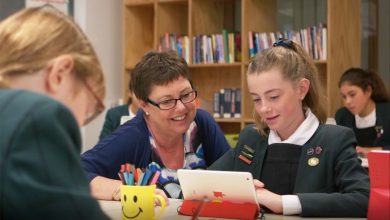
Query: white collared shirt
point(367, 121)
point(126, 118)
point(302, 134)
point(290, 203)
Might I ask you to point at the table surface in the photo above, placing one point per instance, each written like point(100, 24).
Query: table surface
point(113, 210)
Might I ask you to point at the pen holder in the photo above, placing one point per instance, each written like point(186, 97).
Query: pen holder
point(138, 202)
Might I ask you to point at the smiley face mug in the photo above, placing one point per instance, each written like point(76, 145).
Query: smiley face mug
point(138, 202)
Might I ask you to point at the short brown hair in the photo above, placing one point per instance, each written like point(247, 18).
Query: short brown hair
point(157, 68)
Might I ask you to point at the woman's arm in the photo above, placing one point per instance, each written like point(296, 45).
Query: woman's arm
point(104, 188)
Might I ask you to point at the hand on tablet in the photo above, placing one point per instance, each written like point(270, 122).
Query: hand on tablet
point(267, 198)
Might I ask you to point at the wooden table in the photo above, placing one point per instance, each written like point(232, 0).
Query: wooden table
point(113, 210)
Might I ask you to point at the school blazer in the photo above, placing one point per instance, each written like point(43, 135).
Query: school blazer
point(345, 118)
point(40, 172)
point(337, 187)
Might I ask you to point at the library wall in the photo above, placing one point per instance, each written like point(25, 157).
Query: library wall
point(101, 21)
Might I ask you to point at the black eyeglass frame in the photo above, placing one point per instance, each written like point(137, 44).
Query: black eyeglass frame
point(180, 98)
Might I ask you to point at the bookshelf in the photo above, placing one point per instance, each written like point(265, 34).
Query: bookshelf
point(145, 21)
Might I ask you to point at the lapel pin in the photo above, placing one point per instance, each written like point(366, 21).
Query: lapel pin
point(379, 131)
point(244, 159)
point(251, 150)
point(313, 161)
point(245, 154)
point(318, 150)
point(310, 151)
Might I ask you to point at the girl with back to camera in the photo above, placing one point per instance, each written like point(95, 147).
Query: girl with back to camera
point(317, 169)
point(51, 82)
point(366, 109)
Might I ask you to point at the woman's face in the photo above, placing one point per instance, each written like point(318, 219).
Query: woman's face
point(277, 102)
point(177, 119)
point(355, 99)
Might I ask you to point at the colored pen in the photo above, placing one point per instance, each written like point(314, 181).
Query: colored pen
point(146, 177)
point(155, 178)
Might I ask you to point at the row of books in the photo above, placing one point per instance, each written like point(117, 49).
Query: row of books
point(175, 42)
point(226, 47)
point(312, 39)
point(217, 48)
point(227, 103)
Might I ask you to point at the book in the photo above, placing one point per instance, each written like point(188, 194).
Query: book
point(227, 103)
point(379, 171)
point(252, 50)
point(221, 102)
point(237, 103)
point(216, 113)
point(225, 45)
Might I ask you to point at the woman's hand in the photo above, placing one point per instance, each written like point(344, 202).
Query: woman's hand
point(366, 150)
point(161, 193)
point(267, 198)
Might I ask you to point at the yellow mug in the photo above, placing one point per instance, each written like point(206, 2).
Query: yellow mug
point(137, 202)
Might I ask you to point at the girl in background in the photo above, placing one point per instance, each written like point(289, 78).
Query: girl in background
point(366, 109)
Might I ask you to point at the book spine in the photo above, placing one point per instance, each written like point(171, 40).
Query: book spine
point(237, 103)
point(227, 103)
point(226, 45)
point(216, 113)
point(221, 101)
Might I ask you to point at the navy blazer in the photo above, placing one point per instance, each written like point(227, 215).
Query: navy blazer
point(345, 118)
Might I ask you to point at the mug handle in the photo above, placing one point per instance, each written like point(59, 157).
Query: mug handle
point(163, 205)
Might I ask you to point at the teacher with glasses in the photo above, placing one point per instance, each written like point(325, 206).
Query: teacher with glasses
point(167, 133)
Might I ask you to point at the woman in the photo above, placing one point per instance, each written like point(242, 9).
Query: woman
point(318, 173)
point(167, 133)
point(366, 110)
point(51, 82)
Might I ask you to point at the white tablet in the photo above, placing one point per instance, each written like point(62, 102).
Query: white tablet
point(217, 186)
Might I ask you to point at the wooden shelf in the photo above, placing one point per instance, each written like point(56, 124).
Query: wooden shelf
point(173, 1)
point(216, 65)
point(138, 2)
point(229, 120)
point(146, 21)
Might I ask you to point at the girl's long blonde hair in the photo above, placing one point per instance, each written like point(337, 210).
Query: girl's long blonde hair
point(32, 37)
point(294, 64)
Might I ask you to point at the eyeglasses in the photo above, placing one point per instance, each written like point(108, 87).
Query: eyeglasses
point(171, 103)
point(98, 108)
